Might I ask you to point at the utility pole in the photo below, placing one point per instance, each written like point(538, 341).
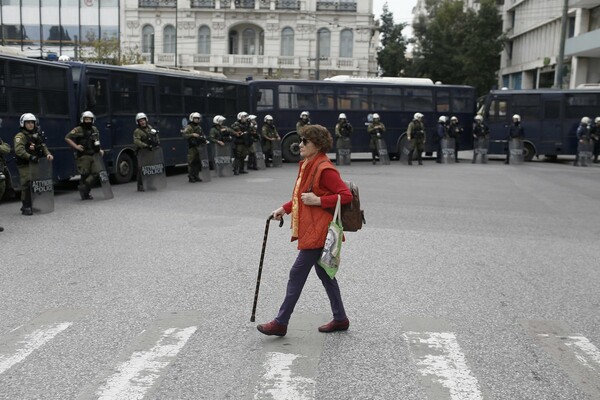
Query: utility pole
point(558, 74)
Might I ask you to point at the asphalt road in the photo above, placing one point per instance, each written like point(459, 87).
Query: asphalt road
point(468, 282)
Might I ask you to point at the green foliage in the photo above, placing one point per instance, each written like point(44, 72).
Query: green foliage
point(458, 46)
point(108, 51)
point(391, 56)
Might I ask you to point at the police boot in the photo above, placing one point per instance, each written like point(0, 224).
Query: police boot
point(252, 159)
point(410, 157)
point(82, 191)
point(420, 159)
point(26, 208)
point(236, 169)
point(191, 178)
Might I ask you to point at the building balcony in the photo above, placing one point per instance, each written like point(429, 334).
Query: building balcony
point(584, 45)
point(287, 5)
point(336, 6)
point(157, 3)
point(203, 4)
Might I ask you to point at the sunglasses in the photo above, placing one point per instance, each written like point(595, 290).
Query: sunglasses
point(305, 141)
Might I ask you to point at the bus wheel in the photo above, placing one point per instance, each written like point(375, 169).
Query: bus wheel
point(528, 152)
point(290, 148)
point(125, 168)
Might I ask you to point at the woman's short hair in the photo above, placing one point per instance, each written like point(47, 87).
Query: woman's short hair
point(319, 136)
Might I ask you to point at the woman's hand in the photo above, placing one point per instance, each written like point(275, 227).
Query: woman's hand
point(310, 199)
point(277, 214)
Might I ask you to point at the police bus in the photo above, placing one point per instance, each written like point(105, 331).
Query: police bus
point(57, 93)
point(549, 118)
point(396, 100)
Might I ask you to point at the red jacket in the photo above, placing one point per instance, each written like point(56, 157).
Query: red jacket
point(327, 184)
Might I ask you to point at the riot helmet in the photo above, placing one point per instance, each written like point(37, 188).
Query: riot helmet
point(375, 116)
point(442, 119)
point(252, 117)
point(586, 120)
point(27, 117)
point(341, 116)
point(218, 119)
point(139, 116)
point(304, 114)
point(517, 118)
point(478, 118)
point(453, 119)
point(597, 120)
point(268, 118)
point(418, 116)
point(194, 115)
point(242, 114)
point(87, 114)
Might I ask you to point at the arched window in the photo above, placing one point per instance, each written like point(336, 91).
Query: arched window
point(346, 43)
point(324, 38)
point(249, 41)
point(233, 42)
point(169, 40)
point(204, 40)
point(147, 32)
point(287, 42)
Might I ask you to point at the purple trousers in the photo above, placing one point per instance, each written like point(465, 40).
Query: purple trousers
point(298, 274)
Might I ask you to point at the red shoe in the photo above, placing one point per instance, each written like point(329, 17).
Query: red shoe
point(335, 326)
point(272, 328)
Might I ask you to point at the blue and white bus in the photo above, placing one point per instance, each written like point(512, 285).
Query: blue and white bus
point(549, 118)
point(396, 100)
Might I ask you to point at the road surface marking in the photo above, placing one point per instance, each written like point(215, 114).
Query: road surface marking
point(440, 359)
point(28, 342)
point(279, 383)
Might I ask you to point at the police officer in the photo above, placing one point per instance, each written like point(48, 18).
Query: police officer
point(515, 131)
point(270, 138)
point(85, 140)
point(480, 132)
point(195, 137)
point(29, 147)
point(376, 129)
point(241, 141)
point(595, 135)
point(4, 149)
point(583, 135)
point(302, 122)
point(441, 133)
point(343, 128)
point(219, 134)
point(455, 131)
point(144, 137)
point(416, 136)
point(253, 125)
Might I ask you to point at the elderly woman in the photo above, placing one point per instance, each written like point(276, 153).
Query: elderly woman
point(315, 194)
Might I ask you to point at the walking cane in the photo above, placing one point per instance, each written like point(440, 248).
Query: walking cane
point(260, 265)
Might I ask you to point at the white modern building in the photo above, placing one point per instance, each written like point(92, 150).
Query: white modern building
point(309, 39)
point(533, 30)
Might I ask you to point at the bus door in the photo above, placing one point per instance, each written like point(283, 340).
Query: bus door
point(551, 136)
point(498, 119)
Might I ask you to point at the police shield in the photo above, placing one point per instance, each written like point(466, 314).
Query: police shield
point(343, 151)
point(383, 152)
point(405, 151)
point(103, 176)
point(204, 161)
point(481, 150)
point(260, 156)
point(277, 158)
point(41, 186)
point(152, 167)
point(223, 160)
point(584, 153)
point(515, 151)
point(447, 146)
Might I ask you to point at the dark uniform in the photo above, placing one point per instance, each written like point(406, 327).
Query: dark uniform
point(480, 131)
point(271, 140)
point(583, 136)
point(343, 129)
point(376, 129)
point(87, 136)
point(302, 122)
point(595, 135)
point(416, 136)
point(241, 141)
point(515, 131)
point(455, 131)
point(253, 129)
point(442, 133)
point(196, 142)
point(29, 147)
point(4, 149)
point(144, 138)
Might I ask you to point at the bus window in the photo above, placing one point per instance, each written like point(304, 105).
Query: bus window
point(231, 100)
point(552, 109)
point(325, 98)
point(296, 97)
point(170, 95)
point(386, 99)
point(442, 104)
point(418, 100)
point(22, 75)
point(54, 91)
point(582, 104)
point(498, 110)
point(215, 98)
point(148, 99)
point(96, 99)
point(22, 93)
point(353, 98)
point(124, 93)
point(194, 96)
point(462, 101)
point(3, 94)
point(265, 99)
point(527, 106)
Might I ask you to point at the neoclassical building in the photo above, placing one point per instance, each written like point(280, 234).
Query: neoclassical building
point(262, 39)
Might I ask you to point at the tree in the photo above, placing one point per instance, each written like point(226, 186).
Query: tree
point(458, 46)
point(391, 56)
point(108, 51)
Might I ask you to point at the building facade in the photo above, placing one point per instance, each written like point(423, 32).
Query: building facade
point(50, 28)
point(533, 29)
point(261, 39)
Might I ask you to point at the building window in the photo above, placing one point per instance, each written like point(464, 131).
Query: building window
point(169, 40)
point(147, 36)
point(346, 43)
point(204, 40)
point(233, 42)
point(287, 42)
point(324, 39)
point(249, 41)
